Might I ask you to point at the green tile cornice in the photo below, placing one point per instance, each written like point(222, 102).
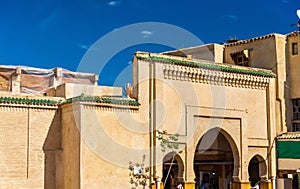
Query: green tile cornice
point(209, 66)
point(28, 101)
point(106, 100)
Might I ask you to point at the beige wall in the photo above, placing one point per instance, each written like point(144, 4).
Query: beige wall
point(179, 101)
point(71, 147)
point(293, 76)
point(210, 52)
point(26, 150)
point(294, 66)
point(69, 90)
point(262, 52)
point(110, 139)
point(268, 53)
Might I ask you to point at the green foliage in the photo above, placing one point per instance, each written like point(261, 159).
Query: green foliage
point(206, 66)
point(139, 179)
point(233, 38)
point(168, 141)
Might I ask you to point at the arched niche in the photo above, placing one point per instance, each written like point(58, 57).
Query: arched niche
point(173, 167)
point(216, 159)
point(257, 170)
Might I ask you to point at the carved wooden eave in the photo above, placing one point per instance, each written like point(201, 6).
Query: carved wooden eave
point(289, 136)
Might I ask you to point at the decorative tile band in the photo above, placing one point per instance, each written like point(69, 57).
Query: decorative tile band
point(82, 98)
point(28, 101)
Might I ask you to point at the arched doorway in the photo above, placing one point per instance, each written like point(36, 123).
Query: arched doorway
point(172, 171)
point(214, 161)
point(257, 170)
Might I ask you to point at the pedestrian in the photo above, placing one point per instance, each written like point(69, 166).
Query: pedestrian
point(180, 186)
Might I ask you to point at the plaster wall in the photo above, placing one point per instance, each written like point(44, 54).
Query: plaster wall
point(178, 102)
point(267, 52)
point(293, 70)
point(71, 147)
point(110, 139)
point(294, 67)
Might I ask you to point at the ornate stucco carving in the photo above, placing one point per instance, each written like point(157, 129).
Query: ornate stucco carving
point(214, 77)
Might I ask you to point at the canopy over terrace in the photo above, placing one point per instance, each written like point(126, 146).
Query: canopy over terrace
point(22, 79)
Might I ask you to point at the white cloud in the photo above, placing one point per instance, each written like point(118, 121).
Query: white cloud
point(146, 33)
point(50, 19)
point(114, 3)
point(82, 46)
point(231, 16)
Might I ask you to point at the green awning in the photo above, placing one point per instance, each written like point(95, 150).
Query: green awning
point(288, 149)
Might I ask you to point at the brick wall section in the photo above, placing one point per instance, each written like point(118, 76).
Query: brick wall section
point(30, 139)
point(13, 145)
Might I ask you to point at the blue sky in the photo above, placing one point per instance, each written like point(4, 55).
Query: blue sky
point(54, 33)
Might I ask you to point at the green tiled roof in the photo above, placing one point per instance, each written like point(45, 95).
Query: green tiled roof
point(82, 98)
point(28, 101)
point(107, 100)
point(211, 66)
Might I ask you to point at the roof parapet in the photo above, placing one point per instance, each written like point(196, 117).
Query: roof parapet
point(182, 61)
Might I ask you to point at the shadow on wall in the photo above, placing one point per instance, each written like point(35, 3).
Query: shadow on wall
point(53, 154)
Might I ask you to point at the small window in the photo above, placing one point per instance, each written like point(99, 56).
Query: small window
point(241, 58)
point(296, 109)
point(296, 127)
point(294, 48)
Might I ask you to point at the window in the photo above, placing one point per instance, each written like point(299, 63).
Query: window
point(294, 48)
point(296, 126)
point(296, 114)
point(4, 84)
point(296, 109)
point(241, 58)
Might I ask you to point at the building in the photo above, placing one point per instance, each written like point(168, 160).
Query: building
point(278, 53)
point(234, 107)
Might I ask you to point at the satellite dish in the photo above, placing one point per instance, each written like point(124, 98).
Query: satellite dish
point(298, 13)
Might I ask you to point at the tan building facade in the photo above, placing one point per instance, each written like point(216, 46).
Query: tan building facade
point(227, 103)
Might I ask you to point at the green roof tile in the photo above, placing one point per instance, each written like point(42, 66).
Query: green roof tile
point(210, 66)
point(28, 101)
point(107, 100)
